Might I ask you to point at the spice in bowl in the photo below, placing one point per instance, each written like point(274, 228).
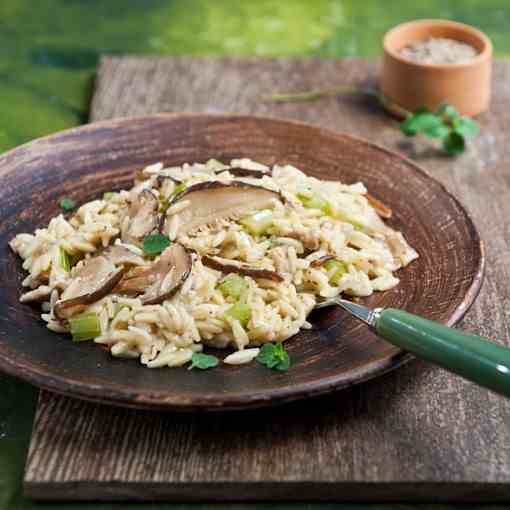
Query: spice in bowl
point(439, 50)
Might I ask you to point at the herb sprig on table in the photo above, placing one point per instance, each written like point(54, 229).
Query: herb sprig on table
point(446, 124)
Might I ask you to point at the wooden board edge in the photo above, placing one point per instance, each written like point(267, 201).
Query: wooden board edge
point(423, 492)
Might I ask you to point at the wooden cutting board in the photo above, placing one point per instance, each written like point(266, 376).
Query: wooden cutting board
point(417, 434)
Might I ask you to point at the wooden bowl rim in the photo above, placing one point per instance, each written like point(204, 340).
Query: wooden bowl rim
point(120, 396)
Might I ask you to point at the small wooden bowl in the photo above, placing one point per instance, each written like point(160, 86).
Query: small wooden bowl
point(408, 85)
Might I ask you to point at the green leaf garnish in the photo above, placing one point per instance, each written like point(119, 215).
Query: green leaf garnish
point(203, 361)
point(108, 195)
point(154, 244)
point(454, 143)
point(447, 110)
point(68, 204)
point(466, 127)
point(274, 356)
point(446, 124)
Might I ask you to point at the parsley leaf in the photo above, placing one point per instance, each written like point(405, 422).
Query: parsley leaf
point(449, 111)
point(466, 127)
point(203, 361)
point(454, 143)
point(154, 244)
point(274, 356)
point(68, 204)
point(446, 124)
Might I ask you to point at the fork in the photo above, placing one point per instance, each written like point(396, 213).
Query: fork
point(471, 356)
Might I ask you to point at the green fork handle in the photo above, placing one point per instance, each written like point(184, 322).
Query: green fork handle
point(470, 356)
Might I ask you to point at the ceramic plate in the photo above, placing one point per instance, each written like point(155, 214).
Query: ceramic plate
point(338, 352)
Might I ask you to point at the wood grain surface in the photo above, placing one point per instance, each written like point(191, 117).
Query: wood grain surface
point(415, 434)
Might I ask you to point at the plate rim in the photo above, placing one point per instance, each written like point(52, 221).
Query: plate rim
point(234, 401)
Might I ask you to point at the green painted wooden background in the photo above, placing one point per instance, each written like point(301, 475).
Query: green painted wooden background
point(48, 54)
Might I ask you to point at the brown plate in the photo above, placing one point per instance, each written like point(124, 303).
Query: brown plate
point(338, 352)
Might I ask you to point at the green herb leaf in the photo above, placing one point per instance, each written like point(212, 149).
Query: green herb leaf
point(154, 244)
point(438, 130)
point(426, 122)
point(108, 195)
point(466, 127)
point(410, 126)
point(68, 204)
point(274, 356)
point(449, 111)
point(454, 143)
point(203, 361)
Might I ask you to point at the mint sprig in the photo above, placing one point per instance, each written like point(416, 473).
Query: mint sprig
point(68, 204)
point(203, 361)
point(274, 356)
point(445, 124)
point(154, 244)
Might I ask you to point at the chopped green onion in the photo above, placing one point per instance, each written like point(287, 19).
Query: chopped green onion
point(240, 312)
point(64, 259)
point(312, 200)
point(179, 189)
point(118, 308)
point(108, 195)
point(67, 260)
point(154, 244)
point(338, 268)
point(85, 326)
point(68, 204)
point(233, 286)
point(257, 223)
point(164, 203)
point(347, 219)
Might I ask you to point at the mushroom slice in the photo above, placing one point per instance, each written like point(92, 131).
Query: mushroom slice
point(382, 210)
point(213, 201)
point(122, 256)
point(91, 281)
point(161, 280)
point(232, 266)
point(321, 260)
point(142, 217)
point(245, 172)
point(309, 239)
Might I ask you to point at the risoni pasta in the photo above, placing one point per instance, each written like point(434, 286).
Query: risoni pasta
point(227, 255)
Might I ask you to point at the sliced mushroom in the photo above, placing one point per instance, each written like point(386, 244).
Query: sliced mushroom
point(122, 256)
point(159, 281)
point(162, 178)
point(321, 261)
point(308, 238)
point(232, 266)
point(142, 217)
point(245, 172)
point(213, 201)
point(91, 281)
point(382, 210)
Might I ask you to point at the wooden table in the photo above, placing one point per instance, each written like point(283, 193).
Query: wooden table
point(416, 434)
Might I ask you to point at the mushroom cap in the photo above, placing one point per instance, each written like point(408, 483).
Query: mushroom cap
point(92, 280)
point(213, 201)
